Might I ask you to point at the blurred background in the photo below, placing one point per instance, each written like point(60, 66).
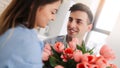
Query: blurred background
point(106, 29)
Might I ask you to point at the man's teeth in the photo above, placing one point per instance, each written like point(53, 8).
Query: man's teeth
point(72, 30)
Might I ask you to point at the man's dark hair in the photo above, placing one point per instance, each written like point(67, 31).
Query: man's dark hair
point(82, 7)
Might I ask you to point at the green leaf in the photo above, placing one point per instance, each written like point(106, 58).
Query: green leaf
point(90, 51)
point(79, 48)
point(47, 64)
point(82, 48)
point(108, 67)
point(53, 61)
point(57, 55)
point(71, 64)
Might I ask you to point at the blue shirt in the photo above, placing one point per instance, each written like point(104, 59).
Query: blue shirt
point(20, 48)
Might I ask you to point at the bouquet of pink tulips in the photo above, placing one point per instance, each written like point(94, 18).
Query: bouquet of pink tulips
point(76, 56)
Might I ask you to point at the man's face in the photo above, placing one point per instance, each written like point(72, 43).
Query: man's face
point(78, 24)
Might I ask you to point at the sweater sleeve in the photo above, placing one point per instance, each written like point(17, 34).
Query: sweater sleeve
point(22, 50)
point(27, 52)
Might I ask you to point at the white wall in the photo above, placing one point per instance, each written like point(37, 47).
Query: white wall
point(114, 41)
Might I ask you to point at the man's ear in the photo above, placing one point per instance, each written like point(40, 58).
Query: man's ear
point(90, 27)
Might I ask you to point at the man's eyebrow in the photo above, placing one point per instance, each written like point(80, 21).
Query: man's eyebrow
point(79, 19)
point(70, 17)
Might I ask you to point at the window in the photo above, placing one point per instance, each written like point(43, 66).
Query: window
point(108, 16)
point(105, 19)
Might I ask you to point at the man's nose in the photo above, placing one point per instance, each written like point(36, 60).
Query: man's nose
point(72, 23)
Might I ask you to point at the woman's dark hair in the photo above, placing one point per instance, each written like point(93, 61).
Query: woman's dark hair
point(82, 7)
point(21, 12)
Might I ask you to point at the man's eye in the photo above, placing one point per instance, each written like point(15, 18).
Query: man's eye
point(79, 22)
point(53, 12)
point(70, 19)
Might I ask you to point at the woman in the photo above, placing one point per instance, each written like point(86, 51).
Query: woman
point(19, 45)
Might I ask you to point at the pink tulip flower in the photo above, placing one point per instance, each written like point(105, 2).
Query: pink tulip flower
point(77, 55)
point(107, 53)
point(59, 47)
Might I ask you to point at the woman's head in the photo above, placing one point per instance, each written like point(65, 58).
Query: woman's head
point(46, 13)
point(30, 13)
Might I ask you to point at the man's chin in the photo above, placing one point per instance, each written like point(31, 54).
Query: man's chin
point(72, 36)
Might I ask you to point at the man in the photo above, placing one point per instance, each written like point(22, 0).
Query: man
point(80, 22)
